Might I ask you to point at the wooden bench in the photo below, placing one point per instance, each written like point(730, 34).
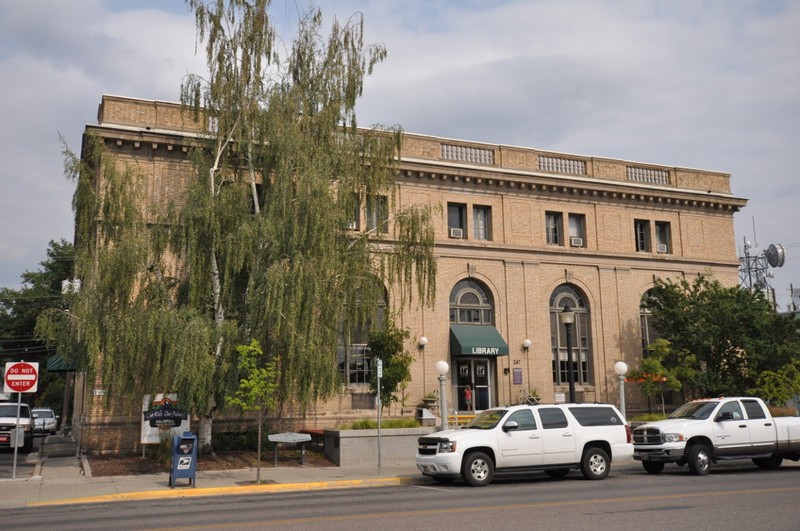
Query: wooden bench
point(317, 436)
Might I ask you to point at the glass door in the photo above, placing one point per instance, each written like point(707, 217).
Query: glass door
point(474, 384)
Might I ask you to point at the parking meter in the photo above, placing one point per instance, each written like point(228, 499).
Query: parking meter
point(184, 458)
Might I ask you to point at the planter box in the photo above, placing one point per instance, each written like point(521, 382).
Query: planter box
point(349, 448)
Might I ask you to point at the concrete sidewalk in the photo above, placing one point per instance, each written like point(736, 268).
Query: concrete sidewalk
point(60, 480)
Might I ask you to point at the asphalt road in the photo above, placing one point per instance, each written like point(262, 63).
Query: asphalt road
point(735, 496)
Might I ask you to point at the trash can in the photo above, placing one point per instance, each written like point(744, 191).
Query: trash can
point(184, 458)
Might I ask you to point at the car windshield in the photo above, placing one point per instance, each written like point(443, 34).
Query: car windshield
point(694, 410)
point(44, 414)
point(487, 419)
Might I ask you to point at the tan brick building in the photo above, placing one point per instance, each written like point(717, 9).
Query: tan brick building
point(522, 233)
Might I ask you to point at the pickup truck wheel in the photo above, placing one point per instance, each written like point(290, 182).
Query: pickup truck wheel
point(478, 469)
point(699, 460)
point(595, 463)
point(653, 467)
point(771, 462)
point(557, 473)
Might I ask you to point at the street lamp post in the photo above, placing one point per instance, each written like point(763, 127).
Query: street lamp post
point(567, 318)
point(621, 368)
point(442, 368)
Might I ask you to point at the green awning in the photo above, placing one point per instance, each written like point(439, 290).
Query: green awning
point(56, 363)
point(476, 340)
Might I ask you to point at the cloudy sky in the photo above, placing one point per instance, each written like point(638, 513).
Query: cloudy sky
point(701, 84)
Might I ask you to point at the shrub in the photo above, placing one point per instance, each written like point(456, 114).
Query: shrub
point(647, 417)
point(372, 424)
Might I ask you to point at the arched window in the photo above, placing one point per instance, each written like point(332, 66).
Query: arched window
point(471, 303)
point(646, 324)
point(562, 296)
point(354, 356)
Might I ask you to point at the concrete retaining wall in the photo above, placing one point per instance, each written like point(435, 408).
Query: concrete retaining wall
point(349, 448)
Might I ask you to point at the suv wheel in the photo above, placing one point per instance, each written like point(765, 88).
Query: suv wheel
point(478, 469)
point(595, 463)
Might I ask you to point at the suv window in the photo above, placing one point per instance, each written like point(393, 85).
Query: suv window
point(10, 410)
point(552, 417)
point(523, 417)
point(596, 416)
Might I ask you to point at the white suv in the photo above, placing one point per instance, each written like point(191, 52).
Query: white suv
point(552, 438)
point(45, 420)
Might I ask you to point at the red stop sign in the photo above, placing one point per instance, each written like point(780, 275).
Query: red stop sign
point(21, 377)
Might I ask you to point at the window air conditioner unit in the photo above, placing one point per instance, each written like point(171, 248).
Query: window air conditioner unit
point(456, 233)
point(576, 242)
point(661, 248)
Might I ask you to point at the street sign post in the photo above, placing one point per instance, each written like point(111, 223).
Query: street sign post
point(21, 377)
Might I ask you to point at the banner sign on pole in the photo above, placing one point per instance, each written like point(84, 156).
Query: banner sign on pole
point(161, 415)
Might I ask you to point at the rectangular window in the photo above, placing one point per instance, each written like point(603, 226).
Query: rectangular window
point(641, 229)
point(378, 214)
point(552, 418)
point(577, 230)
point(456, 220)
point(595, 416)
point(355, 214)
point(663, 237)
point(554, 228)
point(754, 409)
point(355, 364)
point(482, 222)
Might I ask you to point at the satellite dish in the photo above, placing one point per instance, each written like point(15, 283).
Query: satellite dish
point(775, 255)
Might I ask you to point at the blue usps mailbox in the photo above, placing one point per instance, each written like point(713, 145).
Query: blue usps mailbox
point(184, 458)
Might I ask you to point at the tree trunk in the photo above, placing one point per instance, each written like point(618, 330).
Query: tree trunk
point(205, 430)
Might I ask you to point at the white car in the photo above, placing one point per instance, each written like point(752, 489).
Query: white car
point(45, 420)
point(553, 438)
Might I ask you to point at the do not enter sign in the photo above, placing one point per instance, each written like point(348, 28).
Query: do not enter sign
point(21, 377)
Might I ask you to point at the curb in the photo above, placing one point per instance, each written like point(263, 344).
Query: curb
point(193, 492)
point(86, 468)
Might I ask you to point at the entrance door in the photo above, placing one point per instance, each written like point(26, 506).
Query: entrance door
point(474, 384)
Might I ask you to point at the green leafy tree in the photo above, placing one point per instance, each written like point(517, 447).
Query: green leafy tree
point(256, 390)
point(19, 310)
point(654, 377)
point(262, 237)
point(778, 387)
point(723, 336)
point(386, 344)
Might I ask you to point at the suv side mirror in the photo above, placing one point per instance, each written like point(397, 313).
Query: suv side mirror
point(510, 426)
point(725, 415)
point(36, 415)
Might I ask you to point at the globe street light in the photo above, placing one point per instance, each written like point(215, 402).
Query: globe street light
point(621, 368)
point(442, 368)
point(567, 318)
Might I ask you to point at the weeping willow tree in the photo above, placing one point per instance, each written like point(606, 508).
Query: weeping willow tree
point(263, 238)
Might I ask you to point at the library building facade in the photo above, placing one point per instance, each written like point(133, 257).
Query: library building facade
point(521, 235)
